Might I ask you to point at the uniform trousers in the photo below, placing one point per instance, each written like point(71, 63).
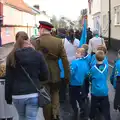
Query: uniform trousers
point(62, 91)
point(102, 103)
point(77, 94)
point(51, 111)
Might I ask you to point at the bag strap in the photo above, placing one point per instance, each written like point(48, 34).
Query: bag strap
point(28, 76)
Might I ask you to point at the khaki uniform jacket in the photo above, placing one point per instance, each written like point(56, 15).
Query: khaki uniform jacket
point(53, 50)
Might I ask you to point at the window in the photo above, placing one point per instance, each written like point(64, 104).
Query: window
point(7, 31)
point(117, 15)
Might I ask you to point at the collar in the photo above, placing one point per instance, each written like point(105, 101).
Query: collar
point(86, 56)
point(79, 58)
point(44, 34)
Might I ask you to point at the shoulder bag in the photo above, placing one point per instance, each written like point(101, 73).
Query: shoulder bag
point(44, 97)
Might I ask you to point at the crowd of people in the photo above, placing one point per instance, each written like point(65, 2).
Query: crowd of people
point(57, 62)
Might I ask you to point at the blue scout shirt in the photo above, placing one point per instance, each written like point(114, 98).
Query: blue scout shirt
point(115, 73)
point(98, 75)
point(79, 70)
point(61, 68)
point(87, 58)
point(94, 61)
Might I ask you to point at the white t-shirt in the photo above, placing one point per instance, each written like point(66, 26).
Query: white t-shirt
point(76, 42)
point(94, 43)
point(70, 50)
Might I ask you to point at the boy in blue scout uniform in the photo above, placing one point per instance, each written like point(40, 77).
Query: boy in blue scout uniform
point(79, 70)
point(63, 83)
point(99, 89)
point(93, 58)
point(115, 81)
point(87, 58)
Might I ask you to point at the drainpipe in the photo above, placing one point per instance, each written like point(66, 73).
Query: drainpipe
point(1, 18)
point(109, 35)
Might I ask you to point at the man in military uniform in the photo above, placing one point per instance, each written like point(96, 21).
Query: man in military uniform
point(53, 50)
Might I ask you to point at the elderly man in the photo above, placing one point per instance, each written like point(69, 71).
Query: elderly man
point(95, 42)
point(53, 50)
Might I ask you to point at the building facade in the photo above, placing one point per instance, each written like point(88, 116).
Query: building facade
point(99, 11)
point(17, 16)
point(94, 15)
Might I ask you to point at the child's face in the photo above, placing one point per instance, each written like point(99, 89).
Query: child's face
point(80, 54)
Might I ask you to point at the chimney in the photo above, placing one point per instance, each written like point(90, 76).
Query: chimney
point(37, 7)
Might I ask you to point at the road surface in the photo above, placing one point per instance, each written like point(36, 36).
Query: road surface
point(66, 111)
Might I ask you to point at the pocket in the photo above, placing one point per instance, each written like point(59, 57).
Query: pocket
point(33, 101)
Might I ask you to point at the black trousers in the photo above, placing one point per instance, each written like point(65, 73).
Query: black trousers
point(77, 95)
point(86, 87)
point(62, 92)
point(103, 104)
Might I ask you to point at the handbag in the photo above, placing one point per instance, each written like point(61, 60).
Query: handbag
point(44, 97)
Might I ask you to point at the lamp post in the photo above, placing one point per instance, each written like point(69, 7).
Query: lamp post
point(1, 20)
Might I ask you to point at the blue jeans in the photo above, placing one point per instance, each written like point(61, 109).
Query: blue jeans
point(27, 108)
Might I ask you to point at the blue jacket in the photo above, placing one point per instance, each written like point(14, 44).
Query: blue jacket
point(79, 70)
point(115, 73)
point(61, 68)
point(94, 61)
point(87, 58)
point(98, 77)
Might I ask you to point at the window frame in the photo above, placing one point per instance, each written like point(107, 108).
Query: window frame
point(117, 15)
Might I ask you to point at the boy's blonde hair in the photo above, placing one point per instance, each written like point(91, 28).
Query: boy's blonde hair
point(103, 48)
point(85, 46)
point(100, 55)
point(80, 50)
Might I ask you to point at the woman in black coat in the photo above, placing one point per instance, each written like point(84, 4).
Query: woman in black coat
point(18, 88)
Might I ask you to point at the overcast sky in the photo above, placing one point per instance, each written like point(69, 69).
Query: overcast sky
point(67, 8)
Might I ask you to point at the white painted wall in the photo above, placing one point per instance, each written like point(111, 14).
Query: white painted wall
point(28, 19)
point(15, 17)
point(96, 6)
point(115, 29)
point(42, 17)
point(90, 21)
point(94, 18)
point(11, 16)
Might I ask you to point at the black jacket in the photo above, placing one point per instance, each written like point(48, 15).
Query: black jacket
point(89, 36)
point(17, 83)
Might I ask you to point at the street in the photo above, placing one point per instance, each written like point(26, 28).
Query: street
point(66, 111)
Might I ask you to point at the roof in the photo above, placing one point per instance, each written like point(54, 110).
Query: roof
point(35, 10)
point(20, 5)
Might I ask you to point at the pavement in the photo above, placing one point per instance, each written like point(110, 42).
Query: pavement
point(65, 109)
point(112, 55)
